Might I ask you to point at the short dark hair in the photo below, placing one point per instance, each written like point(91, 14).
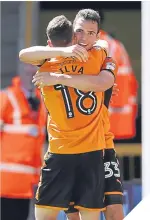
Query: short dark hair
point(89, 14)
point(60, 31)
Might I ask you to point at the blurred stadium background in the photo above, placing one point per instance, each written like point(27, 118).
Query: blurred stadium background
point(24, 23)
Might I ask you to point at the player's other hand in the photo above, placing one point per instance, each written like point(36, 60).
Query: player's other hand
point(115, 92)
point(41, 79)
point(76, 51)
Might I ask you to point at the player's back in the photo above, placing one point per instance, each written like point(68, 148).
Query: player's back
point(74, 115)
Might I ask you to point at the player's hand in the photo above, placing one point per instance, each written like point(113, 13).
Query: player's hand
point(41, 79)
point(115, 92)
point(76, 51)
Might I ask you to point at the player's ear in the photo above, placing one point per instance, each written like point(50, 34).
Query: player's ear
point(49, 43)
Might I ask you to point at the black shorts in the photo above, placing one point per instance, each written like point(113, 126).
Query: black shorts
point(72, 178)
point(113, 181)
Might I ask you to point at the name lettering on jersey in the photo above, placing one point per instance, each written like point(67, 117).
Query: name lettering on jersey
point(68, 60)
point(73, 68)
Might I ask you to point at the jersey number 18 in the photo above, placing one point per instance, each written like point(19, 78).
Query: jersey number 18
point(79, 102)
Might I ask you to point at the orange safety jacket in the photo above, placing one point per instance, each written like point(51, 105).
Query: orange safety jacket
point(22, 138)
point(123, 109)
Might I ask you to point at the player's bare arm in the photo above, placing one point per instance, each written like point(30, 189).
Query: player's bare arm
point(37, 54)
point(99, 83)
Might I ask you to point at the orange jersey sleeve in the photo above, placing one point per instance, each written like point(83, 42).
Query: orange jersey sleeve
point(110, 65)
point(74, 116)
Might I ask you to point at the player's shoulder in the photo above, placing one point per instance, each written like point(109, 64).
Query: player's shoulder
point(101, 43)
point(102, 46)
